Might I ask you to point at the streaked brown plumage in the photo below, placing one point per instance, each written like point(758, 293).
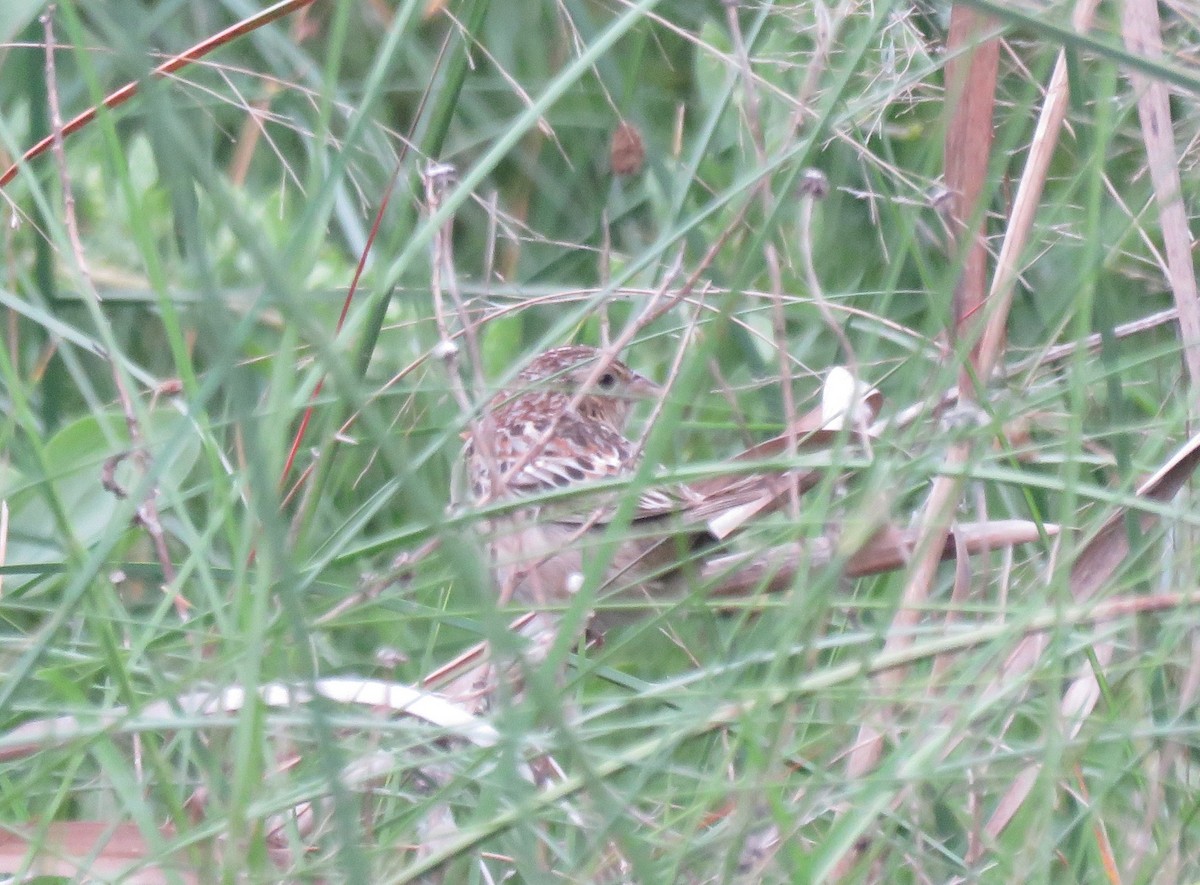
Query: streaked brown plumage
point(561, 428)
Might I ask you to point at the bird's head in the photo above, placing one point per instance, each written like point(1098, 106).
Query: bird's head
point(607, 395)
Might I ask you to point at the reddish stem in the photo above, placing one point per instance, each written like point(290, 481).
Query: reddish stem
point(170, 66)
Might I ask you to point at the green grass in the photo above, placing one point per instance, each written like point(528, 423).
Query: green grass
point(221, 214)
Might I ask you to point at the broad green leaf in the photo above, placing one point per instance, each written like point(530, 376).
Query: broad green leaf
point(76, 457)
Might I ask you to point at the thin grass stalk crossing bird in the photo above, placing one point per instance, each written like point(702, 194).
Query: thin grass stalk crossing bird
point(561, 429)
point(548, 458)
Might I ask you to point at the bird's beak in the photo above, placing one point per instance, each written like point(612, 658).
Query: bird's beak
point(641, 387)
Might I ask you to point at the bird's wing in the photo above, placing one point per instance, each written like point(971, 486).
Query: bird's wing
point(580, 452)
point(577, 453)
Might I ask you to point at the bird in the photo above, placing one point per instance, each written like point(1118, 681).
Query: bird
point(546, 460)
point(552, 438)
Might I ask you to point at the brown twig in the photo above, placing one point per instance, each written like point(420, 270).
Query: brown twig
point(147, 509)
point(1142, 30)
point(971, 81)
point(1029, 194)
point(437, 179)
point(814, 187)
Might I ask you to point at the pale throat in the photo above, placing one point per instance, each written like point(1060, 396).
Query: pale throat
point(608, 410)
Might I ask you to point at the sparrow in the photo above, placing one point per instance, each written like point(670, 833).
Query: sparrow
point(546, 460)
point(555, 440)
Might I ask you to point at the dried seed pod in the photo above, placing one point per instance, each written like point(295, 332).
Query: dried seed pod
point(814, 183)
point(627, 153)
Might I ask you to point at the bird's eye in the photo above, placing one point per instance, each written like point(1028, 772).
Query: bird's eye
point(607, 381)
